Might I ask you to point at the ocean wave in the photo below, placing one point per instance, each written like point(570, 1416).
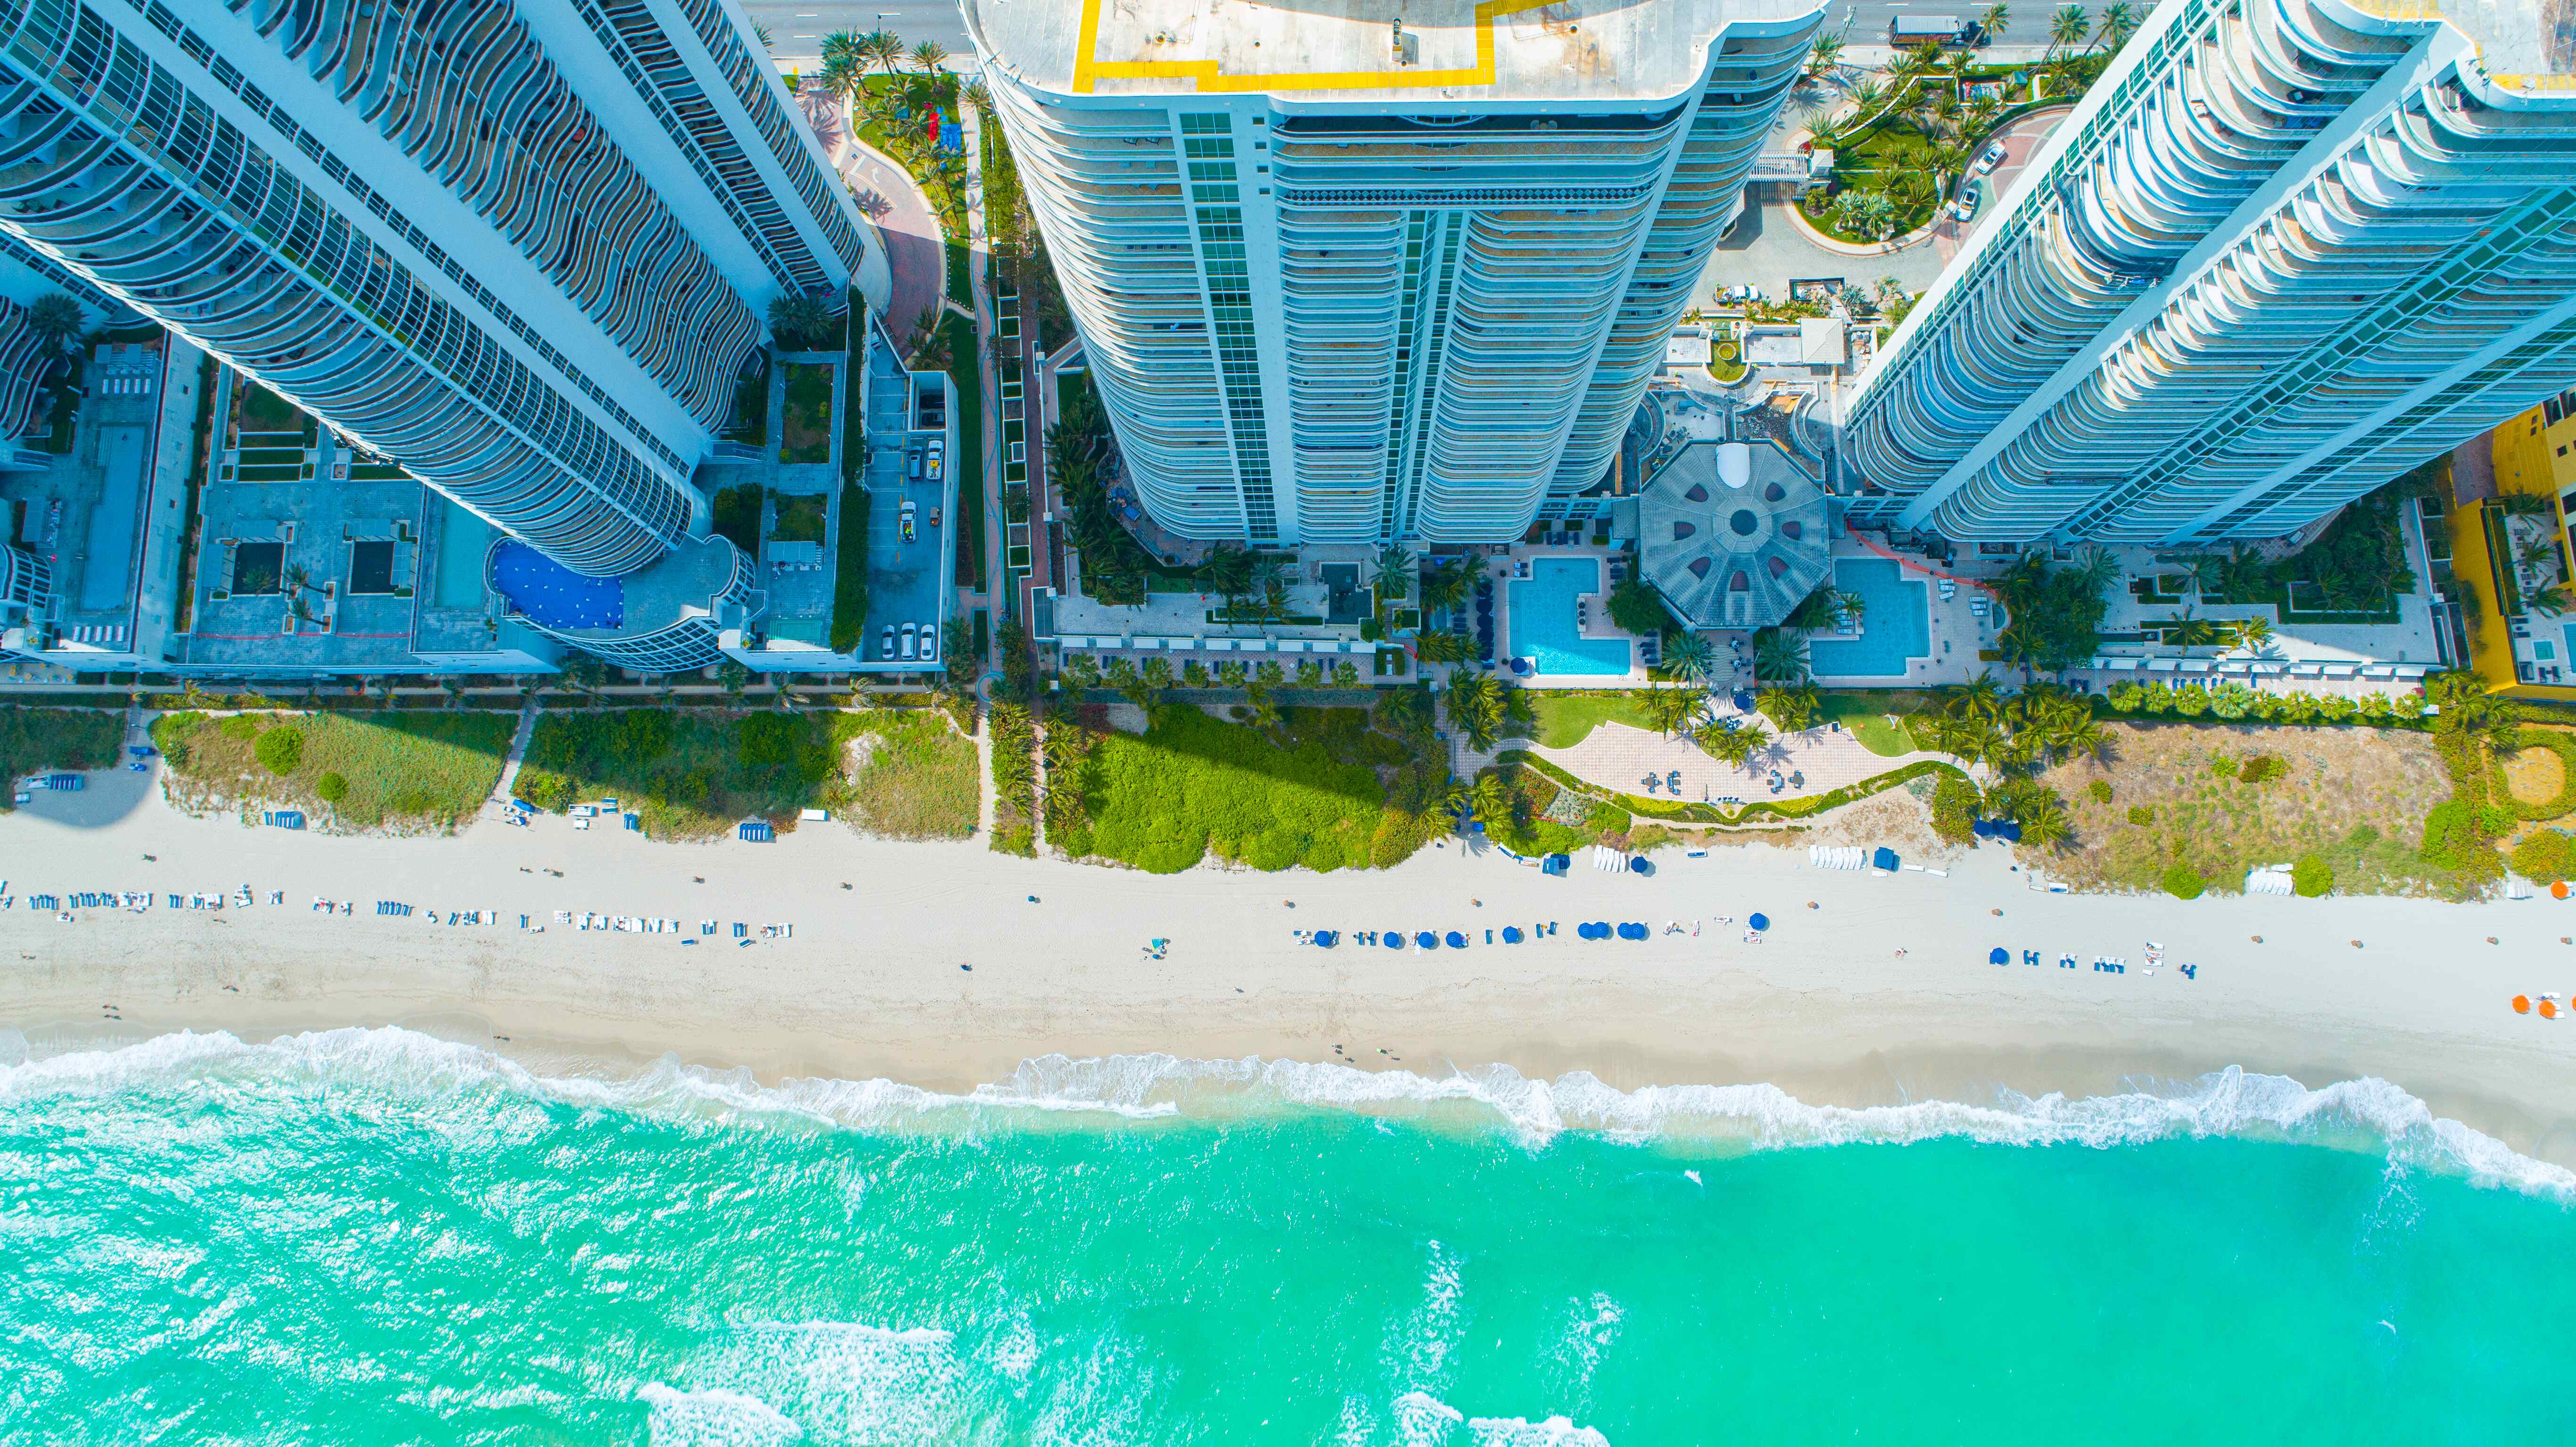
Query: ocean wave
point(1153, 1087)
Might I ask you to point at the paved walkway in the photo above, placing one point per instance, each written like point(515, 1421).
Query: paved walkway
point(1620, 756)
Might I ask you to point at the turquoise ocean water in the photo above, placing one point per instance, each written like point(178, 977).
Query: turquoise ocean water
point(374, 1237)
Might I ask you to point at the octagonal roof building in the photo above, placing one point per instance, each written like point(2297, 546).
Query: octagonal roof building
point(1733, 534)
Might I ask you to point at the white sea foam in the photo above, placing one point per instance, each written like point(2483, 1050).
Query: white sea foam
point(716, 1417)
point(1522, 1432)
point(2230, 1102)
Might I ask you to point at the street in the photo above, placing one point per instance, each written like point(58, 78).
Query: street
point(797, 27)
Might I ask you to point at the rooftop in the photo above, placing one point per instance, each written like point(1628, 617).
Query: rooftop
point(1350, 50)
point(1733, 534)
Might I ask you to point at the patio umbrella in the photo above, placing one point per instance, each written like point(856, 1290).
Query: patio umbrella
point(1760, 921)
point(1456, 941)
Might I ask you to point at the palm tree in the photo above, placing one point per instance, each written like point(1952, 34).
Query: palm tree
point(2251, 634)
point(1993, 19)
point(1689, 658)
point(843, 64)
point(1865, 98)
point(1155, 674)
point(798, 322)
point(884, 47)
point(1227, 571)
point(1475, 708)
point(2186, 630)
point(2119, 22)
point(1824, 56)
point(1668, 709)
point(1732, 746)
point(1779, 656)
point(1979, 699)
point(928, 56)
point(2067, 29)
point(56, 318)
point(977, 94)
point(1440, 646)
point(2549, 602)
point(1490, 801)
point(1792, 708)
point(1393, 581)
point(1447, 584)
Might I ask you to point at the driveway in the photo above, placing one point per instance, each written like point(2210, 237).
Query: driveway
point(915, 250)
point(2021, 142)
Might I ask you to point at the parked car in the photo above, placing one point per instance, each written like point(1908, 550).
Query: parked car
point(885, 642)
point(905, 521)
point(908, 642)
point(1993, 157)
point(1964, 210)
point(912, 462)
point(937, 453)
point(1740, 293)
point(929, 642)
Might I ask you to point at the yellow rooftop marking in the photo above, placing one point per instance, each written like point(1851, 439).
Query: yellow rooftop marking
point(1087, 70)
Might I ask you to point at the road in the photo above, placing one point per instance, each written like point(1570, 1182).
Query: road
point(796, 30)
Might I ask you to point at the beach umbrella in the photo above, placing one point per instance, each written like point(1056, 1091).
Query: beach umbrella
point(1394, 938)
point(2548, 1009)
point(2558, 890)
point(1427, 940)
point(1639, 865)
point(1760, 921)
point(1327, 938)
point(2522, 1004)
point(1511, 934)
point(1456, 941)
point(1999, 957)
point(1632, 931)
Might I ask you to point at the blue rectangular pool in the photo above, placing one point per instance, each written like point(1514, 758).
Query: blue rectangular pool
point(1895, 625)
point(1543, 627)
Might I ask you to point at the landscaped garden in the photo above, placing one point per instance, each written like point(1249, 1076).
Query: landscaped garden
point(1327, 789)
point(694, 775)
point(403, 771)
point(807, 420)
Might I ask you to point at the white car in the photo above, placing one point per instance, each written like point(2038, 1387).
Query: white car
point(885, 642)
point(1993, 157)
point(938, 452)
point(1739, 294)
point(929, 642)
point(904, 649)
point(1964, 210)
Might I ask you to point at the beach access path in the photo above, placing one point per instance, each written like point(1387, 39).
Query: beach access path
point(875, 980)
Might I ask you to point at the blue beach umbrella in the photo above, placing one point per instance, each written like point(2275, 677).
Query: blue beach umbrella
point(1511, 934)
point(2000, 956)
point(1632, 931)
point(1327, 939)
point(1427, 940)
point(1456, 941)
point(1394, 938)
point(1760, 921)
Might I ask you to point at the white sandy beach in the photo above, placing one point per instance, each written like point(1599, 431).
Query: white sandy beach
point(871, 984)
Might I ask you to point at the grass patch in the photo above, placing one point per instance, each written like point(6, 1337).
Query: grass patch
point(1566, 719)
point(1327, 789)
point(736, 515)
point(968, 380)
point(2355, 797)
point(800, 518)
point(806, 422)
point(405, 771)
point(257, 409)
point(42, 740)
point(695, 774)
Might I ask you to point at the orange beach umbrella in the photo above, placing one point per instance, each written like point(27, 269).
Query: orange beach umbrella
point(2522, 1004)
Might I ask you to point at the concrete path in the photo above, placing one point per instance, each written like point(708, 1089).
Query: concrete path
point(1620, 756)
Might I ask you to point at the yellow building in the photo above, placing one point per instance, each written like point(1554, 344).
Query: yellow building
point(2512, 491)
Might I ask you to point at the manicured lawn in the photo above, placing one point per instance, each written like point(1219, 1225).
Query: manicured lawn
point(1311, 793)
point(40, 740)
point(1566, 719)
point(695, 775)
point(807, 421)
point(405, 771)
point(1866, 715)
point(800, 518)
point(968, 378)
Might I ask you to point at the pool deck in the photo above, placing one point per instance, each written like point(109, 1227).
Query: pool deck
point(1599, 627)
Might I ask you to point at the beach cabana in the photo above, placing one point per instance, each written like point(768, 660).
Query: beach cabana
point(1885, 859)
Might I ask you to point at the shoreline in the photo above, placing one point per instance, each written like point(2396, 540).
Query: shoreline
point(870, 986)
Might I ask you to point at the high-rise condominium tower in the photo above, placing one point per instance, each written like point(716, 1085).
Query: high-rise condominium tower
point(1357, 273)
point(520, 249)
point(2283, 251)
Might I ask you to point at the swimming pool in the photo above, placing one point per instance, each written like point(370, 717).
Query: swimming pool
point(1543, 627)
point(1896, 623)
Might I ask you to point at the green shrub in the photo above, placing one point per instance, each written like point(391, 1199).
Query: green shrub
point(2261, 768)
point(280, 749)
point(2362, 836)
point(2224, 766)
point(2184, 882)
point(1955, 802)
point(2191, 700)
point(1608, 819)
point(331, 788)
point(2547, 857)
point(2142, 815)
point(2311, 877)
point(239, 726)
point(2100, 789)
